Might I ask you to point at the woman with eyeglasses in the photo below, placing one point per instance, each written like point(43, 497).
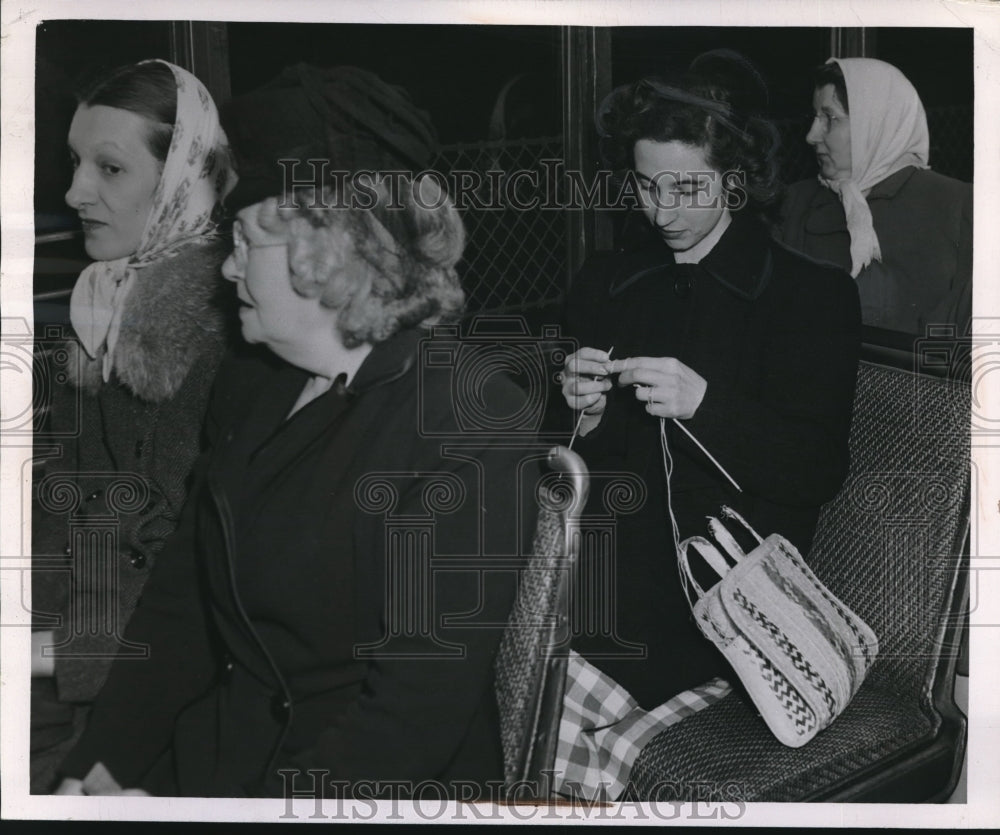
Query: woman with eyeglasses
point(903, 231)
point(330, 613)
point(151, 322)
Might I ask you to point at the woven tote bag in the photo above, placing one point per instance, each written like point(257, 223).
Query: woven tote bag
point(800, 652)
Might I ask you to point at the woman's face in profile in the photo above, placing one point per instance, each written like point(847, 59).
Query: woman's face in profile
point(271, 311)
point(114, 179)
point(683, 196)
point(830, 134)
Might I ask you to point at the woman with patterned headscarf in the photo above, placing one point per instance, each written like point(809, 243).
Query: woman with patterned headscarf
point(151, 166)
point(903, 231)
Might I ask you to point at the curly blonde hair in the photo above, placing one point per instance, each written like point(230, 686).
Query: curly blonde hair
point(400, 279)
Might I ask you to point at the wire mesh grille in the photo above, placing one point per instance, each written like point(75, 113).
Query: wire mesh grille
point(951, 130)
point(515, 257)
point(951, 135)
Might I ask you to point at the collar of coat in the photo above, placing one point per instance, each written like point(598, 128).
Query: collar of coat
point(173, 316)
point(826, 213)
point(741, 261)
point(387, 361)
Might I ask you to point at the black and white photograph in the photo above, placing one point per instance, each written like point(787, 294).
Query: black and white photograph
point(501, 413)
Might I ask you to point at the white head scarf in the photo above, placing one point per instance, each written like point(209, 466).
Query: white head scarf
point(888, 133)
point(196, 175)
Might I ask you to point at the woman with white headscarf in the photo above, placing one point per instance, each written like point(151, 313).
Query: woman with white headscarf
point(903, 231)
point(151, 166)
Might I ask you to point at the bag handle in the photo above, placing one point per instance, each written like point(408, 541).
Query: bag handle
point(668, 468)
point(728, 542)
point(729, 513)
point(709, 553)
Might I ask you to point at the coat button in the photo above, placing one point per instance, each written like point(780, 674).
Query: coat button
point(280, 707)
point(68, 550)
point(227, 668)
point(137, 559)
point(94, 495)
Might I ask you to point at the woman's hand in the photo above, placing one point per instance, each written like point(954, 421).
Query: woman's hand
point(70, 785)
point(42, 666)
point(585, 384)
point(666, 385)
point(97, 782)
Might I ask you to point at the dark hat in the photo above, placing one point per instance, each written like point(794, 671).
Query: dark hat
point(346, 115)
point(746, 87)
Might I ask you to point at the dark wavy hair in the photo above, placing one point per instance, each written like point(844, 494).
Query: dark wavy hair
point(148, 90)
point(831, 73)
point(717, 105)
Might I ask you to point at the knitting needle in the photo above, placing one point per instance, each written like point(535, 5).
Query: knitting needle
point(698, 443)
point(709, 454)
point(579, 420)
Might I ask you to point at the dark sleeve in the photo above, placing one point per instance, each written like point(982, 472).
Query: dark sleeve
point(57, 451)
point(789, 443)
point(792, 217)
point(131, 722)
point(413, 715)
point(956, 306)
point(79, 678)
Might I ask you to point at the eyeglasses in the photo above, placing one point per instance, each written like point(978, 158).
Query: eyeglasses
point(826, 120)
point(242, 244)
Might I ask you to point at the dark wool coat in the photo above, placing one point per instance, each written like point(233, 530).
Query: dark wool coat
point(924, 225)
point(297, 622)
point(777, 337)
point(141, 431)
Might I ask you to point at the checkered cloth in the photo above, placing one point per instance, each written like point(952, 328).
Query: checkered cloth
point(603, 729)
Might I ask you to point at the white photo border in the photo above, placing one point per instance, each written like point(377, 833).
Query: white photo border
point(16, 176)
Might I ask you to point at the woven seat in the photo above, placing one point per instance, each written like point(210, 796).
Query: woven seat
point(531, 662)
point(890, 545)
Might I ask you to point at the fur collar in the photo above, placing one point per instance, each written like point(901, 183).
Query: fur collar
point(174, 314)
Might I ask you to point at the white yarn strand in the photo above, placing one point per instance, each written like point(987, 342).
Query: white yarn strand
point(668, 469)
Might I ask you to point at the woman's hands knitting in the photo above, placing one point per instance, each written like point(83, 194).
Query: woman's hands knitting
point(668, 387)
point(585, 385)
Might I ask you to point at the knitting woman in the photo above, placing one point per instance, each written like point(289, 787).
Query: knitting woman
point(752, 349)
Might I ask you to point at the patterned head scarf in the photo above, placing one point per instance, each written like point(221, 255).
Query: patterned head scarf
point(888, 133)
point(196, 175)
